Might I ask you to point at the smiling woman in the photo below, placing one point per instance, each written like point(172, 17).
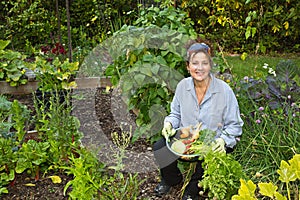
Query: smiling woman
point(200, 98)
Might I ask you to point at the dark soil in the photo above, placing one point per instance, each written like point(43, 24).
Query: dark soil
point(25, 187)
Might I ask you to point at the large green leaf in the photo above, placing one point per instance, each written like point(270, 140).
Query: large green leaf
point(267, 189)
point(3, 44)
point(295, 165)
point(139, 78)
point(286, 173)
point(146, 69)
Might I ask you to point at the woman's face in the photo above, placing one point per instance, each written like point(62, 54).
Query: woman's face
point(199, 66)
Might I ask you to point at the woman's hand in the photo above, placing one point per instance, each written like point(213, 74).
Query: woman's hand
point(168, 130)
point(219, 145)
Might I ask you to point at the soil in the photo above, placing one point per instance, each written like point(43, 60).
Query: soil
point(100, 113)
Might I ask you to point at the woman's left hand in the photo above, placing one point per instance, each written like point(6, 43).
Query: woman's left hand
point(219, 145)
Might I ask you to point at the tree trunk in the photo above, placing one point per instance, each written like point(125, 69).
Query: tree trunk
point(69, 30)
point(58, 21)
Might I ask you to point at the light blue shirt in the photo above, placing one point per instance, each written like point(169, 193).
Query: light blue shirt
point(219, 110)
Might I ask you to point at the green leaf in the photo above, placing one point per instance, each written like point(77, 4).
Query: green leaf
point(139, 78)
point(3, 45)
point(247, 188)
point(126, 86)
point(295, 165)
point(161, 60)
point(286, 172)
point(146, 69)
point(248, 32)
point(248, 1)
point(164, 53)
point(279, 196)
point(253, 31)
point(155, 68)
point(267, 189)
point(248, 19)
point(22, 165)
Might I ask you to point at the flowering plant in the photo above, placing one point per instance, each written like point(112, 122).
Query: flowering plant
point(51, 52)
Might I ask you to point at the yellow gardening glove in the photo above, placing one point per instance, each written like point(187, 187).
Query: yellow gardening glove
point(219, 145)
point(168, 130)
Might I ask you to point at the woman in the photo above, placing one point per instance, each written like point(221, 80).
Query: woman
point(200, 98)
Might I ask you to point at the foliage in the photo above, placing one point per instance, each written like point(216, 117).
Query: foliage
point(57, 126)
point(55, 75)
point(121, 185)
point(270, 110)
point(87, 174)
point(221, 176)
point(14, 119)
point(38, 22)
point(255, 26)
point(93, 180)
point(7, 159)
point(31, 156)
point(30, 20)
point(143, 63)
point(287, 172)
point(12, 65)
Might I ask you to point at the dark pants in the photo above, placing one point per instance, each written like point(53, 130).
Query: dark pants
point(169, 170)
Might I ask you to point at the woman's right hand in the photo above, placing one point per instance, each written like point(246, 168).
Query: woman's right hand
point(168, 130)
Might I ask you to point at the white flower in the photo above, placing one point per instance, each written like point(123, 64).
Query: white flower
point(265, 66)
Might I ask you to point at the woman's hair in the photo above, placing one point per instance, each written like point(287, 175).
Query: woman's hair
point(192, 53)
point(200, 40)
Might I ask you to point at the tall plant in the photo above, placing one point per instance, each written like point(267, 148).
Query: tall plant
point(148, 62)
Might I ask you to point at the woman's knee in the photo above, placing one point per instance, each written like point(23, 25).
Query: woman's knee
point(159, 144)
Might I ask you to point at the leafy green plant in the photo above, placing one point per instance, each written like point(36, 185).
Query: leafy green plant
point(221, 176)
point(6, 124)
point(88, 176)
point(288, 172)
point(264, 25)
point(278, 88)
point(57, 126)
point(121, 185)
point(20, 115)
point(31, 156)
point(7, 163)
point(14, 117)
point(142, 63)
point(55, 75)
point(12, 65)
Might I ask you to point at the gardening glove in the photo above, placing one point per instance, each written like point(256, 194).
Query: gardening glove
point(219, 145)
point(168, 130)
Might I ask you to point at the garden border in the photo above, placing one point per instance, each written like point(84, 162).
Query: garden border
point(31, 86)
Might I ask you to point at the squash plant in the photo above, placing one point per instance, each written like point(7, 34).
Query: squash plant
point(55, 75)
point(12, 65)
point(148, 62)
point(288, 172)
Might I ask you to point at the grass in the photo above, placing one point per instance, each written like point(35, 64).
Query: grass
point(253, 64)
point(270, 135)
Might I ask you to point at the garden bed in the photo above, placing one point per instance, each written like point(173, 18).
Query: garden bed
point(45, 189)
